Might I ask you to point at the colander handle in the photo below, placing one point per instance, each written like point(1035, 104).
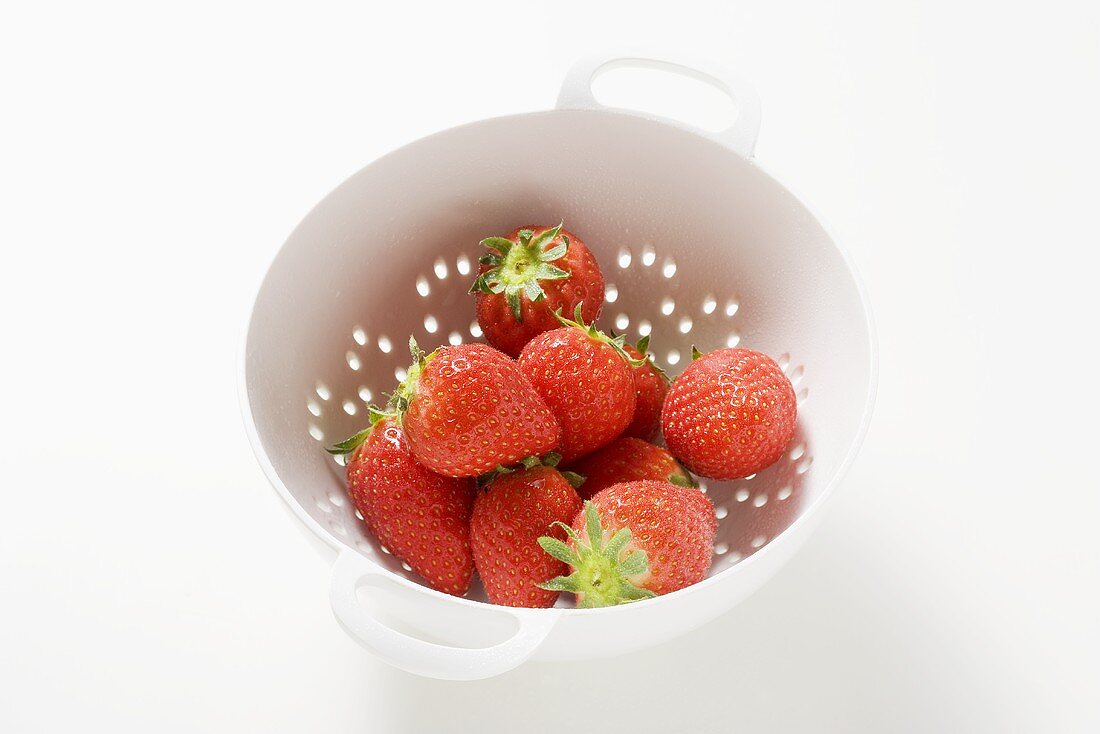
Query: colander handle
point(420, 656)
point(740, 136)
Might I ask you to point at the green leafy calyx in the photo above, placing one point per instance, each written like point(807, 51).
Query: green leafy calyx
point(602, 572)
point(516, 268)
point(682, 480)
point(351, 443)
point(403, 395)
point(397, 405)
point(551, 459)
point(643, 349)
point(615, 341)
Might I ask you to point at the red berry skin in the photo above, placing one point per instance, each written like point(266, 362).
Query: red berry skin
point(650, 389)
point(585, 285)
point(587, 385)
point(674, 525)
point(627, 459)
point(509, 517)
point(730, 414)
point(421, 517)
point(472, 410)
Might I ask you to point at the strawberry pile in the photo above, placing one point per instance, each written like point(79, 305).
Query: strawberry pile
point(529, 460)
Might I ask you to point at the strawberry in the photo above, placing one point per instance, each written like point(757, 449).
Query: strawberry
point(421, 517)
point(529, 275)
point(585, 378)
point(468, 409)
point(633, 541)
point(730, 414)
point(515, 509)
point(650, 388)
point(628, 459)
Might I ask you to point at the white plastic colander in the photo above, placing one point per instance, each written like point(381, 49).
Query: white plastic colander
point(698, 246)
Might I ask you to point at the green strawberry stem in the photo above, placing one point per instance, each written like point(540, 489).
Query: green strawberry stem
point(517, 267)
point(616, 342)
point(601, 572)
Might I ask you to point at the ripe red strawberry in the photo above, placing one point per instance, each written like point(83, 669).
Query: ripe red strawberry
point(730, 414)
point(468, 409)
point(509, 516)
point(586, 379)
point(625, 460)
point(633, 541)
point(421, 517)
point(529, 275)
point(650, 388)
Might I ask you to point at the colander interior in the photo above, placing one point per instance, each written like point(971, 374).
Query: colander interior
point(698, 247)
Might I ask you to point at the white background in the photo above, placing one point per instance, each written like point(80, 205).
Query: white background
point(153, 159)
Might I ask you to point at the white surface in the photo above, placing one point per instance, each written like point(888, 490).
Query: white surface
point(151, 160)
